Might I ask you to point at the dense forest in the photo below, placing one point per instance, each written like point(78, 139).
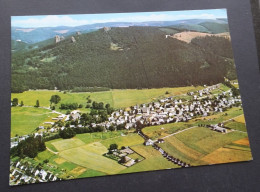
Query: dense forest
point(131, 57)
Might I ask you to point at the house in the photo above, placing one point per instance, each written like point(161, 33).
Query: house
point(219, 129)
point(129, 125)
point(75, 116)
point(160, 141)
point(148, 142)
point(145, 110)
point(127, 151)
point(51, 123)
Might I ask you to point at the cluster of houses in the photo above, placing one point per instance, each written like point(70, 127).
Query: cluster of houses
point(21, 173)
point(124, 153)
point(169, 110)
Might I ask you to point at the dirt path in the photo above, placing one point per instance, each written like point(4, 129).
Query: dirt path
point(179, 132)
point(56, 153)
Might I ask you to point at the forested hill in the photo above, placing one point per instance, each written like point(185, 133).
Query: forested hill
point(130, 57)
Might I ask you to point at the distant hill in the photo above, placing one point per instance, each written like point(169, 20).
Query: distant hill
point(124, 57)
point(35, 35)
point(18, 45)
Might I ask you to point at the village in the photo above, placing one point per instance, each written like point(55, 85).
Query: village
point(166, 110)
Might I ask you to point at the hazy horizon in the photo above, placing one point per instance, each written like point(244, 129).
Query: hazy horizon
point(75, 20)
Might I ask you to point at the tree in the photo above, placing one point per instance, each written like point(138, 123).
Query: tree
point(235, 91)
point(113, 147)
point(112, 128)
point(55, 99)
point(29, 147)
point(67, 133)
point(15, 102)
point(46, 161)
point(123, 159)
point(37, 103)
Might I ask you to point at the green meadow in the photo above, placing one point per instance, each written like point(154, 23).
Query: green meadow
point(116, 98)
point(24, 120)
point(84, 152)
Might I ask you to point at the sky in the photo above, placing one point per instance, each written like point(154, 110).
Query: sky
point(84, 19)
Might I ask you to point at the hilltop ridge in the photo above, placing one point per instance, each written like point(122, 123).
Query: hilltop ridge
point(129, 57)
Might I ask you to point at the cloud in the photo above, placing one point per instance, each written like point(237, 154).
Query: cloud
point(66, 20)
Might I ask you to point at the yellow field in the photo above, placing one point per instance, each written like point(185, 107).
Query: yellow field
point(59, 160)
point(224, 155)
point(244, 141)
point(240, 119)
point(77, 171)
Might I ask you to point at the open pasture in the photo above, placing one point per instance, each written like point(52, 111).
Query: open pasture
point(84, 158)
point(117, 98)
point(65, 144)
point(159, 131)
point(194, 144)
point(91, 173)
point(24, 120)
point(205, 140)
point(236, 125)
point(129, 140)
point(94, 137)
point(96, 147)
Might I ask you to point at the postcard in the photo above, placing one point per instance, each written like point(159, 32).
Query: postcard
point(105, 94)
